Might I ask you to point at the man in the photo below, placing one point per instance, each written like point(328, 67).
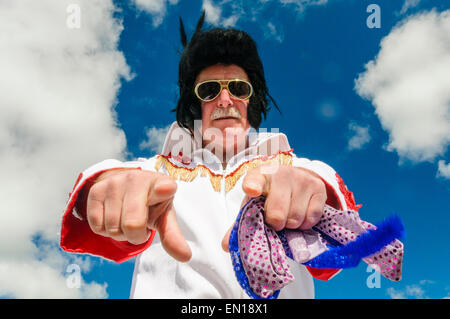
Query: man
point(190, 194)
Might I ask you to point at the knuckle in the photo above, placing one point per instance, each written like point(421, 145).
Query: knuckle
point(275, 219)
point(132, 176)
point(96, 225)
point(97, 229)
point(139, 238)
point(131, 225)
point(312, 219)
point(315, 216)
point(295, 219)
point(95, 220)
point(97, 191)
point(112, 224)
point(113, 231)
point(114, 183)
point(308, 177)
point(293, 223)
point(94, 217)
point(317, 184)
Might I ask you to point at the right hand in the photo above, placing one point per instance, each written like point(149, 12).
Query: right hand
point(127, 204)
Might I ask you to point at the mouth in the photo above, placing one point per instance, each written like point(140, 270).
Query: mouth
point(226, 118)
point(221, 114)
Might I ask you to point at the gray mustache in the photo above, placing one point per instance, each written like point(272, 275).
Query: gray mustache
point(226, 112)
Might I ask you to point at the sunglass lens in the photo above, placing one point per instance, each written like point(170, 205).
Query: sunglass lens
point(208, 90)
point(240, 89)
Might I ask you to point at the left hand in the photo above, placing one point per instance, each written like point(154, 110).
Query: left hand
point(295, 197)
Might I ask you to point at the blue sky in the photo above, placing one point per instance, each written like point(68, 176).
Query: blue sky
point(383, 126)
point(311, 58)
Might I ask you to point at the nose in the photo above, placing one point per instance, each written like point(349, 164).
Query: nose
point(224, 99)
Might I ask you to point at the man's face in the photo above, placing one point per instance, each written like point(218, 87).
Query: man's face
point(224, 119)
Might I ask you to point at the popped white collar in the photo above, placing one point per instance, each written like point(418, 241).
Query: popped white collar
point(180, 143)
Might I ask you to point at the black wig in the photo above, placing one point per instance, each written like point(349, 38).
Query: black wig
point(219, 46)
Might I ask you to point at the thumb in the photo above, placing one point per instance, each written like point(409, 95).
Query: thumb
point(226, 240)
point(171, 237)
point(162, 189)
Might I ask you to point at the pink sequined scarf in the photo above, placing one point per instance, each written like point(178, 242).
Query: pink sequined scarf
point(340, 240)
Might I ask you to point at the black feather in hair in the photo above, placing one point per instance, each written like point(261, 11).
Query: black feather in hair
point(183, 34)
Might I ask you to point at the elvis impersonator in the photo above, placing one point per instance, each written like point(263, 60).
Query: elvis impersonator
point(175, 210)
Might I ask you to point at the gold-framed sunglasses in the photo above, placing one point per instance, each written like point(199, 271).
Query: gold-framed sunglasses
point(210, 89)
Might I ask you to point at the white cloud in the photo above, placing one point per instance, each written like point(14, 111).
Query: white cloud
point(155, 139)
point(226, 13)
point(410, 292)
point(408, 4)
point(415, 291)
point(425, 289)
point(230, 21)
point(47, 277)
point(395, 294)
point(58, 90)
point(301, 5)
point(273, 32)
point(359, 136)
point(157, 8)
point(409, 86)
point(443, 169)
point(213, 14)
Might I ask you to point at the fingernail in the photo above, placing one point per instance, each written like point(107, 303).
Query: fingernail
point(254, 186)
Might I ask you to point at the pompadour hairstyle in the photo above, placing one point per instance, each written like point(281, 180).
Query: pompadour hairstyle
point(219, 46)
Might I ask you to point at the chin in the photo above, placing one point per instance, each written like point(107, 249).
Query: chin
point(227, 124)
point(228, 136)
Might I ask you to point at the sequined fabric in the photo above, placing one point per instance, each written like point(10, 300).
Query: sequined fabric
point(262, 252)
point(340, 240)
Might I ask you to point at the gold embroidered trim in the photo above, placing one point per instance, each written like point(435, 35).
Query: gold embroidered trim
point(231, 179)
point(189, 174)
